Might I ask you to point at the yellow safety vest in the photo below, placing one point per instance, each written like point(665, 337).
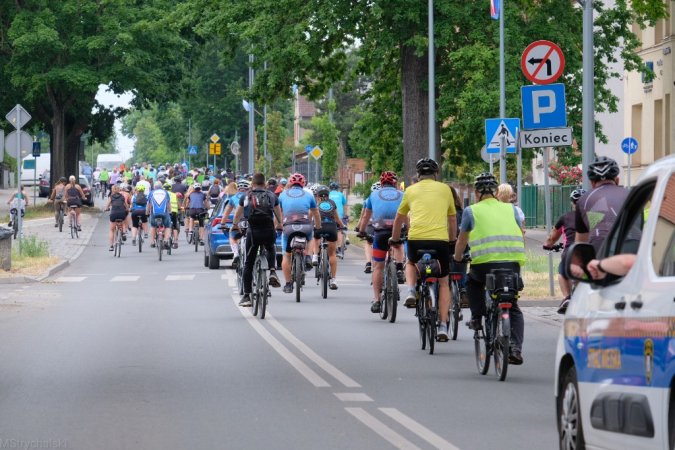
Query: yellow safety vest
point(496, 235)
point(174, 202)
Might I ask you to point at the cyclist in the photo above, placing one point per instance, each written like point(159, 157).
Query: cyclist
point(299, 209)
point(58, 197)
point(493, 229)
point(139, 219)
point(198, 203)
point(433, 224)
point(119, 208)
point(272, 185)
point(381, 207)
point(175, 224)
point(330, 226)
point(565, 227)
point(159, 206)
point(214, 191)
point(105, 178)
point(598, 208)
point(74, 197)
point(340, 201)
point(243, 187)
point(262, 208)
point(125, 190)
point(282, 186)
point(367, 233)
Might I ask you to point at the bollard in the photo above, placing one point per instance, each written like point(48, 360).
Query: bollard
point(6, 248)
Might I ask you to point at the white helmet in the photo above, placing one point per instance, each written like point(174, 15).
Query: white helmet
point(375, 187)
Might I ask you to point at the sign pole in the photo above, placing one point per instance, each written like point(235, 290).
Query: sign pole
point(502, 92)
point(588, 92)
point(547, 206)
point(34, 176)
point(19, 163)
point(432, 84)
point(629, 158)
point(519, 181)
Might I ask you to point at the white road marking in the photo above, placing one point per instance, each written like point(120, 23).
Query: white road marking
point(308, 352)
point(352, 397)
point(179, 277)
point(126, 278)
point(70, 279)
point(293, 360)
point(419, 429)
point(384, 431)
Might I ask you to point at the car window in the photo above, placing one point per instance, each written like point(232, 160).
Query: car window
point(626, 234)
point(663, 249)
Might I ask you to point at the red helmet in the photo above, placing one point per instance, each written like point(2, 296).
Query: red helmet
point(297, 178)
point(388, 177)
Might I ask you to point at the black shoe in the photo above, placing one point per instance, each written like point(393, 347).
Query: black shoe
point(474, 324)
point(288, 288)
point(56, 225)
point(153, 246)
point(111, 248)
point(400, 276)
point(274, 280)
point(124, 235)
point(516, 358)
point(369, 268)
point(10, 224)
point(308, 263)
point(563, 305)
point(246, 301)
point(375, 307)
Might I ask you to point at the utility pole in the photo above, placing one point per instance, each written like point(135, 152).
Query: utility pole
point(251, 118)
point(189, 142)
point(502, 94)
point(588, 92)
point(432, 85)
point(265, 134)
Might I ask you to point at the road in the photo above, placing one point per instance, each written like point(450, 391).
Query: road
point(135, 353)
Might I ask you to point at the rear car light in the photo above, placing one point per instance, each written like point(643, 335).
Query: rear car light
point(215, 226)
point(44, 183)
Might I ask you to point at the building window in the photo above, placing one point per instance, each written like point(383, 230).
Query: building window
point(646, 78)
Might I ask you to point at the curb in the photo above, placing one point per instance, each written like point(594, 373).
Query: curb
point(542, 319)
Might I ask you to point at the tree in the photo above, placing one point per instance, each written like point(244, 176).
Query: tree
point(325, 134)
point(58, 53)
point(275, 142)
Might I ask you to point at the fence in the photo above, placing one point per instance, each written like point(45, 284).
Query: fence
point(533, 203)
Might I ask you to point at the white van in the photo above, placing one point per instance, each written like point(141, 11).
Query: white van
point(109, 160)
point(30, 177)
point(615, 358)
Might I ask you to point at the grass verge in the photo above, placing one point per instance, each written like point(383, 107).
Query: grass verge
point(535, 276)
point(46, 211)
point(34, 258)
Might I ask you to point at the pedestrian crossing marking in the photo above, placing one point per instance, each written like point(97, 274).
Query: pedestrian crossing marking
point(352, 397)
point(179, 277)
point(126, 278)
point(70, 279)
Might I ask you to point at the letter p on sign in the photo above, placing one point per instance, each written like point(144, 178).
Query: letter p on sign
point(539, 101)
point(544, 106)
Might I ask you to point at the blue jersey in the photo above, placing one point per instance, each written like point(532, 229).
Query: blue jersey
point(384, 204)
point(296, 203)
point(340, 202)
point(161, 202)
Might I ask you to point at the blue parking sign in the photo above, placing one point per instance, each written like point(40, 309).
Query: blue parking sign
point(544, 106)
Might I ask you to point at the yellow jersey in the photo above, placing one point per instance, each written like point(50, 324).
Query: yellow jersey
point(429, 203)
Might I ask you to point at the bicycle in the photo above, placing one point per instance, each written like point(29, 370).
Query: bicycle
point(195, 230)
point(494, 339)
point(261, 287)
point(117, 239)
point(455, 316)
point(298, 245)
point(345, 241)
point(159, 236)
point(322, 269)
point(389, 294)
point(72, 217)
point(14, 218)
point(139, 237)
point(60, 215)
point(96, 189)
point(426, 308)
point(243, 226)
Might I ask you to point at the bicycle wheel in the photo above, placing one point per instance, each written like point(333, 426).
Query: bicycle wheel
point(431, 319)
point(421, 319)
point(140, 240)
point(168, 250)
point(188, 237)
point(264, 293)
point(60, 220)
point(482, 357)
point(15, 225)
point(393, 294)
point(240, 278)
point(298, 262)
point(255, 294)
point(195, 238)
point(384, 308)
point(160, 247)
point(77, 231)
point(325, 272)
point(501, 351)
point(455, 307)
point(72, 227)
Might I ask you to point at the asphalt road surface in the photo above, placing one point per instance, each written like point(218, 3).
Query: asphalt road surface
point(133, 353)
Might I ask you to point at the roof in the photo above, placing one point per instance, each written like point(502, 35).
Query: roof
point(305, 107)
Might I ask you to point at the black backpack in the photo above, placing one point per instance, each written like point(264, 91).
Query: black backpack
point(260, 210)
point(141, 199)
point(214, 192)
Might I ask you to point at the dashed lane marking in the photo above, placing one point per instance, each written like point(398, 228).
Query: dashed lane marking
point(70, 279)
point(179, 277)
point(126, 278)
point(420, 430)
point(384, 431)
point(352, 397)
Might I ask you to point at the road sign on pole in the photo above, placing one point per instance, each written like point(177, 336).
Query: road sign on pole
point(546, 137)
point(215, 138)
point(192, 150)
point(316, 152)
point(19, 143)
point(234, 148)
point(37, 149)
point(542, 62)
point(629, 146)
point(488, 157)
point(212, 148)
point(495, 129)
point(544, 106)
point(308, 148)
point(18, 117)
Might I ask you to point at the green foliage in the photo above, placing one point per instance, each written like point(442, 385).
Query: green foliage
point(31, 247)
point(275, 142)
point(356, 211)
point(325, 135)
point(363, 189)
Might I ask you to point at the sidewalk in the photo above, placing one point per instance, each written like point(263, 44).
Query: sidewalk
point(6, 194)
point(61, 244)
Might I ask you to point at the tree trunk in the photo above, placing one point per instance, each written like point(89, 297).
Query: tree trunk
point(414, 74)
point(58, 142)
point(72, 148)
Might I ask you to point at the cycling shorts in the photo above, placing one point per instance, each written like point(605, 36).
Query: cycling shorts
point(196, 214)
point(138, 216)
point(117, 215)
point(442, 248)
point(166, 219)
point(175, 224)
point(329, 230)
point(381, 245)
point(290, 230)
point(370, 232)
point(75, 202)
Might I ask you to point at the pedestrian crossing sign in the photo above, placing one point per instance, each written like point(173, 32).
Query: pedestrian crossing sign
point(495, 129)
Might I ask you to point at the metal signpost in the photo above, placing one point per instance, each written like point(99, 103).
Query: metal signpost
point(308, 149)
point(19, 117)
point(316, 154)
point(500, 138)
point(629, 146)
point(37, 150)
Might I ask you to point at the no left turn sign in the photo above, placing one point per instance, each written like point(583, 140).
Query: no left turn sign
point(543, 62)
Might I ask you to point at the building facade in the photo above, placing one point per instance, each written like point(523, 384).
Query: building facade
point(649, 114)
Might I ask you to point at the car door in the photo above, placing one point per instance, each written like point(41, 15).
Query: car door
point(605, 389)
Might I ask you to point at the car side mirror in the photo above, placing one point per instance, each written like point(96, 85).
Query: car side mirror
point(578, 257)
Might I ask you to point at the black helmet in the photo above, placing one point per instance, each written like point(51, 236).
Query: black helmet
point(603, 168)
point(576, 195)
point(177, 178)
point(426, 166)
point(486, 182)
point(271, 182)
point(333, 186)
point(322, 191)
point(63, 180)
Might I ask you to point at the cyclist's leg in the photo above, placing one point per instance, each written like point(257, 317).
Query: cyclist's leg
point(268, 239)
point(201, 227)
point(135, 219)
point(565, 283)
point(77, 215)
point(111, 234)
point(251, 251)
point(286, 237)
point(411, 271)
point(475, 291)
point(57, 208)
point(153, 229)
point(380, 247)
point(332, 257)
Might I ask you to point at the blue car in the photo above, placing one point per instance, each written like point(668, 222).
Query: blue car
point(217, 243)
